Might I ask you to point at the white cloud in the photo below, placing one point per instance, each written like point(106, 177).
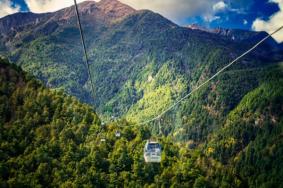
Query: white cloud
point(6, 8)
point(274, 22)
point(220, 6)
point(211, 18)
point(177, 10)
point(40, 6)
point(245, 22)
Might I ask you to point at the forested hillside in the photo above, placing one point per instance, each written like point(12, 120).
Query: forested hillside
point(50, 139)
point(251, 139)
point(207, 110)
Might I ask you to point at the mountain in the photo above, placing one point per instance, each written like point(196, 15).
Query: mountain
point(141, 63)
point(106, 10)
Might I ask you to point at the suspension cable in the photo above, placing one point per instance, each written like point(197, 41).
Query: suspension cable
point(84, 48)
point(210, 79)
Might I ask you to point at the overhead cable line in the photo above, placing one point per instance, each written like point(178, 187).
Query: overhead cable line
point(84, 48)
point(210, 79)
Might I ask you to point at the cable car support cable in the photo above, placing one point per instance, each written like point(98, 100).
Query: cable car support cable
point(84, 47)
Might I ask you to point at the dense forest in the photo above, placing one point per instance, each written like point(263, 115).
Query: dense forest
point(49, 139)
point(54, 133)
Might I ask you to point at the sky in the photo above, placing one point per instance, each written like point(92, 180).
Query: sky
point(257, 15)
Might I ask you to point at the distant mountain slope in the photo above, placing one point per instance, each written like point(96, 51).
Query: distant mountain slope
point(140, 61)
point(18, 20)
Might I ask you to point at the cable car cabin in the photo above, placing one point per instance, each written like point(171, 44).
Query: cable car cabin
point(118, 134)
point(152, 152)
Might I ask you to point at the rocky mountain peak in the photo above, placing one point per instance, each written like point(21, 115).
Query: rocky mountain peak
point(106, 10)
point(115, 8)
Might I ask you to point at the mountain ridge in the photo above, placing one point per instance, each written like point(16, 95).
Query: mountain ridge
point(247, 36)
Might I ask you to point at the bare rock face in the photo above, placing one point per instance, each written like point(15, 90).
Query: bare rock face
point(115, 9)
